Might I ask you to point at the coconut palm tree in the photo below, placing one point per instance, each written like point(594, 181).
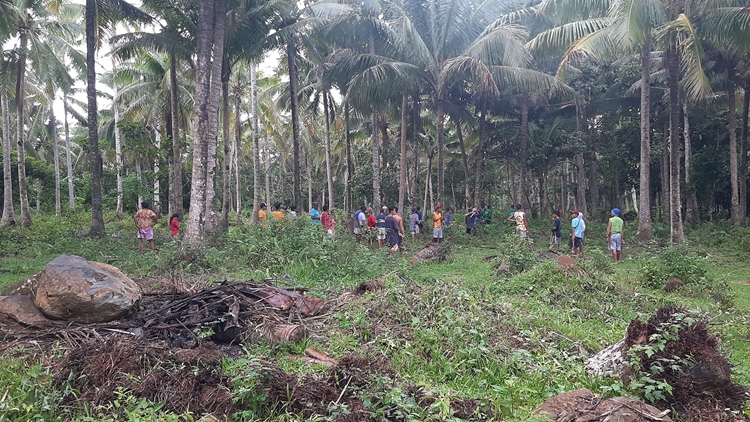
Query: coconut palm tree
point(6, 81)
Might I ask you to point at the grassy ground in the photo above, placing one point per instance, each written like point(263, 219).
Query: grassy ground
point(455, 328)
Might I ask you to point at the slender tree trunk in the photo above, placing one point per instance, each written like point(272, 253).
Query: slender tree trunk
point(645, 229)
point(733, 154)
point(523, 159)
point(291, 51)
point(56, 154)
point(9, 213)
point(691, 210)
point(308, 165)
point(69, 156)
point(329, 172)
point(479, 166)
point(95, 161)
point(226, 192)
point(402, 157)
point(678, 235)
point(267, 161)
point(543, 196)
point(428, 179)
point(580, 165)
point(214, 100)
point(118, 154)
point(195, 231)
point(20, 102)
point(441, 145)
point(175, 179)
point(38, 196)
point(236, 153)
point(256, 145)
point(375, 158)
point(743, 153)
point(349, 163)
point(415, 147)
point(139, 176)
point(157, 190)
point(465, 159)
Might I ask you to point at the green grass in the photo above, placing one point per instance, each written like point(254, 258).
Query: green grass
point(454, 328)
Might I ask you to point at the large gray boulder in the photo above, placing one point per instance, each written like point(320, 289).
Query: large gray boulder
point(74, 289)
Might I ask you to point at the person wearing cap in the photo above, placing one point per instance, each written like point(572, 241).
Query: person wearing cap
point(556, 236)
point(437, 225)
point(314, 214)
point(262, 217)
point(614, 235)
point(277, 213)
point(576, 233)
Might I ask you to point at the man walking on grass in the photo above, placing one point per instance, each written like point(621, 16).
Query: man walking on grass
point(145, 220)
point(576, 234)
point(614, 235)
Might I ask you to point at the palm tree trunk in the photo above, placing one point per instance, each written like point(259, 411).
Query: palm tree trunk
point(645, 229)
point(175, 179)
point(733, 154)
point(267, 161)
point(479, 166)
point(157, 190)
point(415, 147)
point(214, 100)
point(375, 158)
point(236, 154)
point(678, 235)
point(68, 156)
point(95, 158)
point(308, 165)
point(256, 143)
point(195, 230)
point(226, 193)
point(56, 154)
point(581, 165)
point(291, 50)
point(465, 159)
point(9, 214)
point(118, 154)
point(441, 145)
point(329, 172)
point(349, 163)
point(691, 209)
point(743, 153)
point(402, 158)
point(524, 147)
point(20, 102)
point(664, 171)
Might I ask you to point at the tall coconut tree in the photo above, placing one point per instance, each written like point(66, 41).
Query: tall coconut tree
point(6, 81)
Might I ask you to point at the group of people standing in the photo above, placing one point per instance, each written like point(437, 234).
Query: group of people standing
point(577, 231)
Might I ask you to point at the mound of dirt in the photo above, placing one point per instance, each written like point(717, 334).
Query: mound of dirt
point(583, 406)
point(184, 380)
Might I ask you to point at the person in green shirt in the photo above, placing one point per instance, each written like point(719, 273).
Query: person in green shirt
point(615, 236)
point(487, 214)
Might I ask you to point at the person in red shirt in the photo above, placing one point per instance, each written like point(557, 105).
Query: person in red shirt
point(174, 225)
point(327, 222)
point(371, 223)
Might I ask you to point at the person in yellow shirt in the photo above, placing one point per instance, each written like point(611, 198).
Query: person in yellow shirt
point(277, 213)
point(437, 225)
point(262, 217)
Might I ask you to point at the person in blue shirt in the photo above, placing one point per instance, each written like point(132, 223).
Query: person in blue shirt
point(576, 233)
point(314, 214)
point(380, 224)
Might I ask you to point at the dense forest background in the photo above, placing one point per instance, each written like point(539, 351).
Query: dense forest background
point(556, 104)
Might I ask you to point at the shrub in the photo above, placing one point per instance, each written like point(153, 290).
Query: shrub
point(673, 262)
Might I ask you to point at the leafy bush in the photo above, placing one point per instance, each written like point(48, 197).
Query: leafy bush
point(673, 262)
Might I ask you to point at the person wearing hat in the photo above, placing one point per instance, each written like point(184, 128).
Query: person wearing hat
point(314, 214)
point(437, 225)
point(262, 217)
point(576, 233)
point(614, 235)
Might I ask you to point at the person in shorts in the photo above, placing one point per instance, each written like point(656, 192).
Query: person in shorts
point(437, 225)
point(414, 223)
point(556, 235)
point(614, 235)
point(522, 223)
point(145, 220)
point(576, 233)
point(380, 224)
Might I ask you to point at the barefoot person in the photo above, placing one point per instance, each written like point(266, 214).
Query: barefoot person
point(145, 219)
point(614, 235)
point(437, 225)
point(174, 225)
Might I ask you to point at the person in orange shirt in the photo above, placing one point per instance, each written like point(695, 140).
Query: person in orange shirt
point(277, 213)
point(437, 225)
point(262, 217)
